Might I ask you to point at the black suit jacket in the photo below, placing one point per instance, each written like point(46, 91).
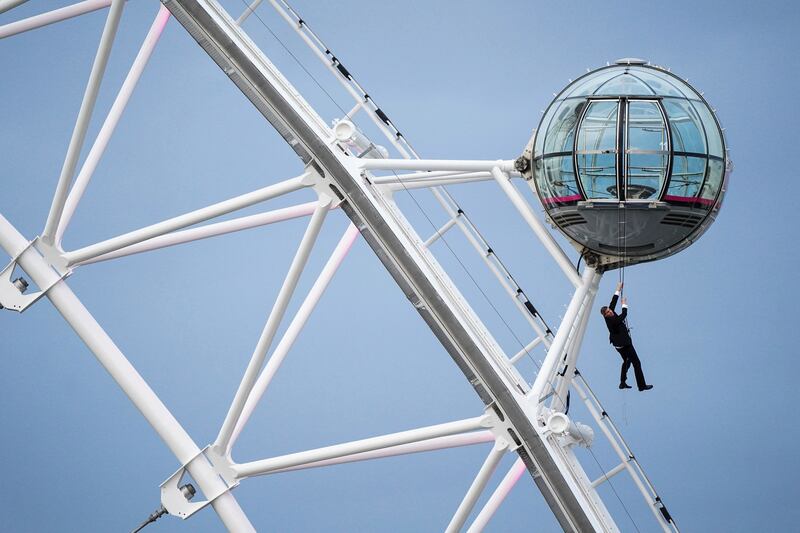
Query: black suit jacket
point(617, 329)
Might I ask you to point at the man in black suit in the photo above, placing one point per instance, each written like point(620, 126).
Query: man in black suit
point(620, 338)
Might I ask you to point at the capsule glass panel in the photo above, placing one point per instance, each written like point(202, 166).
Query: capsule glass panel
point(686, 127)
point(687, 178)
point(596, 150)
point(716, 170)
point(648, 151)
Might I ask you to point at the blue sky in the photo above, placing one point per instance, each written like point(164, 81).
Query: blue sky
point(467, 80)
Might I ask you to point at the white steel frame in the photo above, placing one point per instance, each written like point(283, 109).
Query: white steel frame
point(46, 264)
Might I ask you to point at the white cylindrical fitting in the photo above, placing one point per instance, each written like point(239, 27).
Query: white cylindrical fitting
point(358, 143)
point(560, 424)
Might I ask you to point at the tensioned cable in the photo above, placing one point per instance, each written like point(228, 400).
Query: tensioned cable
point(441, 236)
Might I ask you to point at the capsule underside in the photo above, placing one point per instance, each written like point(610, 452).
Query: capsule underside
point(630, 164)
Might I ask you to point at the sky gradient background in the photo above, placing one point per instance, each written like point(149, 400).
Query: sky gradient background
point(714, 325)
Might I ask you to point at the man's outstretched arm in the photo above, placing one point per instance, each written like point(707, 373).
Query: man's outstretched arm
point(624, 312)
point(613, 303)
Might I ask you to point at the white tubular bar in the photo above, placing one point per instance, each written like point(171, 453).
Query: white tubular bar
point(271, 327)
point(265, 466)
point(469, 177)
point(498, 496)
point(57, 15)
point(210, 230)
point(526, 349)
point(110, 124)
point(568, 367)
point(438, 443)
point(355, 109)
point(187, 219)
point(608, 475)
point(247, 12)
point(126, 376)
point(435, 164)
point(84, 116)
point(8, 5)
point(476, 489)
point(441, 231)
point(556, 351)
point(406, 178)
point(536, 225)
point(294, 328)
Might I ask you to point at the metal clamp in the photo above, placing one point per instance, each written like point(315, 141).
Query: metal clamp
point(174, 500)
point(12, 293)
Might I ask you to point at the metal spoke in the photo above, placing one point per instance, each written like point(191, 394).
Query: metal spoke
point(271, 327)
point(293, 331)
point(57, 15)
point(84, 116)
point(56, 227)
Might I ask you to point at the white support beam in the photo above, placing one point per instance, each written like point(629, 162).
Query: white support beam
point(608, 475)
point(273, 322)
point(536, 225)
point(574, 349)
point(265, 466)
point(497, 497)
point(8, 5)
point(57, 15)
point(435, 164)
point(125, 375)
point(187, 219)
point(543, 383)
point(464, 177)
point(413, 176)
point(247, 12)
point(526, 349)
point(438, 443)
point(478, 485)
point(294, 328)
point(209, 230)
point(440, 232)
point(110, 124)
point(84, 116)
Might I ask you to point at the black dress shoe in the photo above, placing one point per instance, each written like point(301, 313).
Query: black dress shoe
point(646, 387)
point(624, 386)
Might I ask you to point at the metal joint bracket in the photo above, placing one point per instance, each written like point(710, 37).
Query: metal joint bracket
point(498, 424)
point(174, 500)
point(12, 292)
point(324, 188)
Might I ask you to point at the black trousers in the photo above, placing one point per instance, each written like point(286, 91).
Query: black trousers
point(629, 358)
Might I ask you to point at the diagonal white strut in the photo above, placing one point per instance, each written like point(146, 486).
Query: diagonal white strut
point(8, 5)
point(56, 227)
point(271, 327)
point(498, 496)
point(209, 230)
point(294, 328)
point(478, 485)
point(187, 219)
point(84, 116)
point(436, 443)
point(50, 17)
point(265, 466)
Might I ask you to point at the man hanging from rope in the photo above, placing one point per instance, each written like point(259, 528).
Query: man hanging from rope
point(620, 338)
